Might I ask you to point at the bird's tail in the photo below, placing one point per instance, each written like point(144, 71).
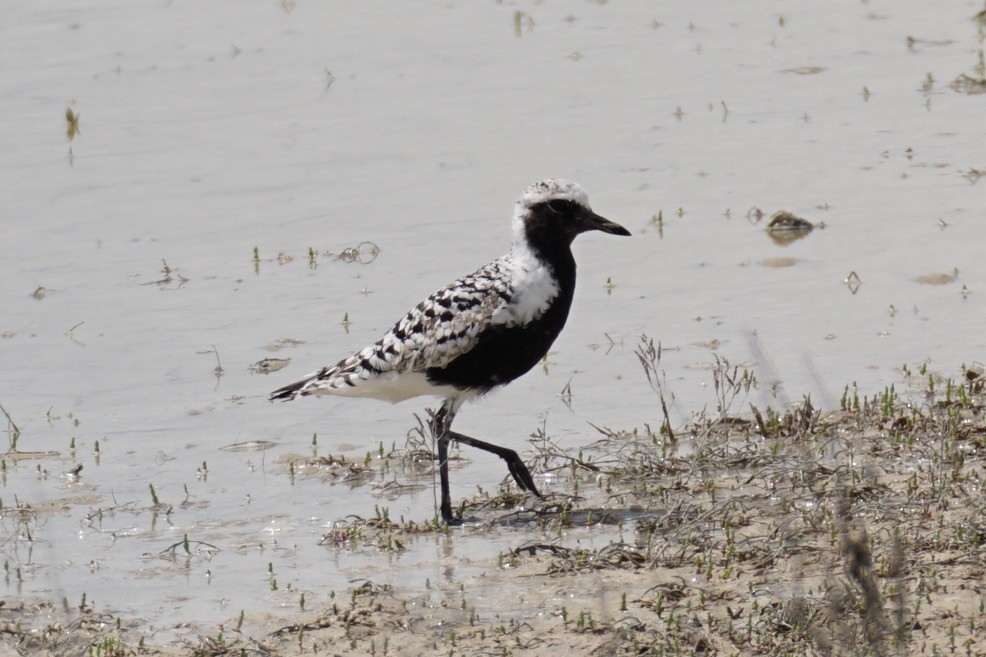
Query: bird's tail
point(328, 380)
point(289, 392)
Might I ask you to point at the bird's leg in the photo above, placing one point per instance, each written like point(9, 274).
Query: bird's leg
point(441, 429)
point(441, 422)
point(517, 468)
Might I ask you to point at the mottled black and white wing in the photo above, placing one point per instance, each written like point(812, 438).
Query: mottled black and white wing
point(434, 333)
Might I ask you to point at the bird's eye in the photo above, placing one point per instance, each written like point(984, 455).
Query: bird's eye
point(557, 207)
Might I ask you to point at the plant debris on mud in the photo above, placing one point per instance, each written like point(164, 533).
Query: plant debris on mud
point(746, 531)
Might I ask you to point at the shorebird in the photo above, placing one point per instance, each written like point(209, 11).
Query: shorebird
point(479, 332)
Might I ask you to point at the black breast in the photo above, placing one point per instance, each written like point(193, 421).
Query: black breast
point(504, 353)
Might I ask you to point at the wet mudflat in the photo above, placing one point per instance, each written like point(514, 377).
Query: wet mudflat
point(203, 202)
point(859, 531)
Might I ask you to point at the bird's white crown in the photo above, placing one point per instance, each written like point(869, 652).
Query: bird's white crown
point(552, 190)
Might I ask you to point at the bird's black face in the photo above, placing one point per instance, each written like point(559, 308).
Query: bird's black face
point(565, 219)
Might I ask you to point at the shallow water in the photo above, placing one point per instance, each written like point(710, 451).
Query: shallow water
point(206, 130)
